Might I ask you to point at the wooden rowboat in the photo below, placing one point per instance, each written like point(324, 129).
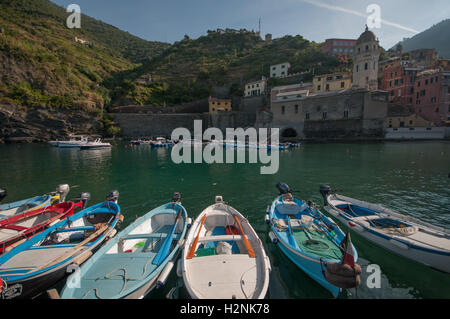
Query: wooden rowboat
point(41, 261)
point(138, 259)
point(223, 256)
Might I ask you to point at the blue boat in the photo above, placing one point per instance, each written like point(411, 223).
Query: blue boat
point(30, 204)
point(34, 265)
point(139, 258)
point(306, 236)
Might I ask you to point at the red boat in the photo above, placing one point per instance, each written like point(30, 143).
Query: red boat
point(19, 227)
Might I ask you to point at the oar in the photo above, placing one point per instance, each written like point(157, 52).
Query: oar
point(194, 244)
point(165, 247)
point(250, 250)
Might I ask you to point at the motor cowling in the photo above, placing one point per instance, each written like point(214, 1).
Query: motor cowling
point(325, 190)
point(3, 193)
point(62, 190)
point(176, 198)
point(84, 198)
point(283, 188)
point(113, 196)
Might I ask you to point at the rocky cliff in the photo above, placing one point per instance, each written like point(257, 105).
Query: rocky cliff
point(38, 124)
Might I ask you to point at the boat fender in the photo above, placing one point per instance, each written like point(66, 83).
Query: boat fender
point(356, 227)
point(273, 238)
point(399, 244)
point(179, 270)
point(164, 274)
point(189, 222)
point(267, 219)
point(342, 275)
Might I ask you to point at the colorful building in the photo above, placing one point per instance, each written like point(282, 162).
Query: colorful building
point(432, 96)
point(340, 48)
point(332, 82)
point(403, 116)
point(219, 105)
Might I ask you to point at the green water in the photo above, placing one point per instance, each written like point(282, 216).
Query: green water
point(411, 178)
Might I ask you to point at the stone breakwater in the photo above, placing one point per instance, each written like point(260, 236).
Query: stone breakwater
point(39, 124)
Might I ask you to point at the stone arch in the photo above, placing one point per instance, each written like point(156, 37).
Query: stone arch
point(289, 132)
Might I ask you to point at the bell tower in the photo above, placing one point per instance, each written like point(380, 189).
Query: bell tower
point(365, 61)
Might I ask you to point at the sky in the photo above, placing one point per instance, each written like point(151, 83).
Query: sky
point(315, 20)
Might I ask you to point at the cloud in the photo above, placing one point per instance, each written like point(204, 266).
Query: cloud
point(356, 13)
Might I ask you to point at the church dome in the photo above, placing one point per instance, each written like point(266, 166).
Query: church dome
point(366, 36)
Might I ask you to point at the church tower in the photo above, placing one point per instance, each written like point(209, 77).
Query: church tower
point(365, 61)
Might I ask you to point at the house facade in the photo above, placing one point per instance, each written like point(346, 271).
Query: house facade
point(332, 82)
point(219, 105)
point(255, 88)
point(280, 70)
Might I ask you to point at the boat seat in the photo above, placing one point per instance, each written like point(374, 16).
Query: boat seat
point(143, 236)
point(220, 238)
point(73, 229)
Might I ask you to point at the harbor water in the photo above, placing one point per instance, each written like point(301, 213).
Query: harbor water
point(411, 178)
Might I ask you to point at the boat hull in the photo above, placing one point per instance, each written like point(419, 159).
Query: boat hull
point(436, 260)
point(312, 268)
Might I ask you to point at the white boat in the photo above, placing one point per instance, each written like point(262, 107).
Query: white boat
point(403, 235)
point(74, 142)
point(97, 144)
point(53, 143)
point(223, 257)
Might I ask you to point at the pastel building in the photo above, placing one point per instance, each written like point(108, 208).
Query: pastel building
point(332, 82)
point(432, 96)
point(219, 105)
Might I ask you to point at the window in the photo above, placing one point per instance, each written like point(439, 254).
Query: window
point(366, 66)
point(342, 84)
point(283, 66)
point(319, 79)
point(324, 115)
point(274, 68)
point(214, 109)
point(426, 82)
point(437, 110)
point(367, 48)
point(319, 88)
point(282, 109)
point(296, 109)
point(400, 92)
point(330, 78)
point(410, 122)
point(346, 114)
point(418, 84)
point(327, 87)
point(433, 100)
point(307, 116)
point(357, 68)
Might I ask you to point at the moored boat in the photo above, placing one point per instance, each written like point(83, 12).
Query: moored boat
point(306, 236)
point(74, 142)
point(30, 204)
point(97, 144)
point(223, 256)
point(17, 228)
point(139, 258)
point(403, 235)
point(41, 261)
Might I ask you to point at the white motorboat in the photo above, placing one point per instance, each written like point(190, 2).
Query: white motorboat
point(403, 235)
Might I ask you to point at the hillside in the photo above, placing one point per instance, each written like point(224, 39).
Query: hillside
point(190, 68)
point(41, 64)
point(435, 37)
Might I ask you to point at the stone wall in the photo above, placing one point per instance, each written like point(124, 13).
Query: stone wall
point(146, 125)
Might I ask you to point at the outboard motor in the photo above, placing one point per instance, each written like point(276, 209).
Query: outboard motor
point(3, 193)
point(325, 190)
point(113, 196)
point(176, 198)
point(84, 198)
point(62, 190)
point(283, 188)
